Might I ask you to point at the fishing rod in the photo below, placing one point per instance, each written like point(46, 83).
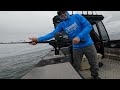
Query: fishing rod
point(58, 43)
point(23, 42)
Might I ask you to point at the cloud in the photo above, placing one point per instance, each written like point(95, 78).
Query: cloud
point(26, 21)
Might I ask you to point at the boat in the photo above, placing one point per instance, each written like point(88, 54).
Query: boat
point(57, 64)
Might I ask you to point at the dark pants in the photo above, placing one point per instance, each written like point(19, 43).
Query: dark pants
point(91, 54)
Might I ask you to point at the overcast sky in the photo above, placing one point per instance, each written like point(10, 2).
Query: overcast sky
point(19, 25)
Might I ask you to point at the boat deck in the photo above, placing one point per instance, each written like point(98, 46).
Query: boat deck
point(59, 67)
point(55, 71)
point(109, 70)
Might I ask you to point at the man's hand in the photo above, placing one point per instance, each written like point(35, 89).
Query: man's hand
point(34, 40)
point(76, 41)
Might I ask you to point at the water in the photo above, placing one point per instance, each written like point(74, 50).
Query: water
point(17, 61)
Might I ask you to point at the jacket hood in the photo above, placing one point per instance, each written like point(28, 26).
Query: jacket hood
point(68, 16)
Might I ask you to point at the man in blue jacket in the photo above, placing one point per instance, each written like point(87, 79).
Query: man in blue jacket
point(77, 28)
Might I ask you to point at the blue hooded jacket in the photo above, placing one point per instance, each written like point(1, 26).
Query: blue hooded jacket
point(75, 26)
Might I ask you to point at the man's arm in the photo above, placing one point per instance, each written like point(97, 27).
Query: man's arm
point(86, 26)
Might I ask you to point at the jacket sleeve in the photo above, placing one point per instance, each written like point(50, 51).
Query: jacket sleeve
point(51, 35)
point(87, 27)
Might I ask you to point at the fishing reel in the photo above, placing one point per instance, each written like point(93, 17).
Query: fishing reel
point(60, 41)
point(59, 37)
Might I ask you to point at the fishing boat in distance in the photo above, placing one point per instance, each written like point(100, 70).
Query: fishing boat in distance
point(57, 64)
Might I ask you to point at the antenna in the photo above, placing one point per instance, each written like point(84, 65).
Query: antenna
point(82, 12)
point(72, 12)
point(87, 12)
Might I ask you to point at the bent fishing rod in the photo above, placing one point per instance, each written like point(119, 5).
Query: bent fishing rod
point(57, 44)
point(23, 42)
point(51, 41)
point(59, 41)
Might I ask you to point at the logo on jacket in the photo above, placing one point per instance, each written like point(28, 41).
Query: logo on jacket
point(71, 28)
